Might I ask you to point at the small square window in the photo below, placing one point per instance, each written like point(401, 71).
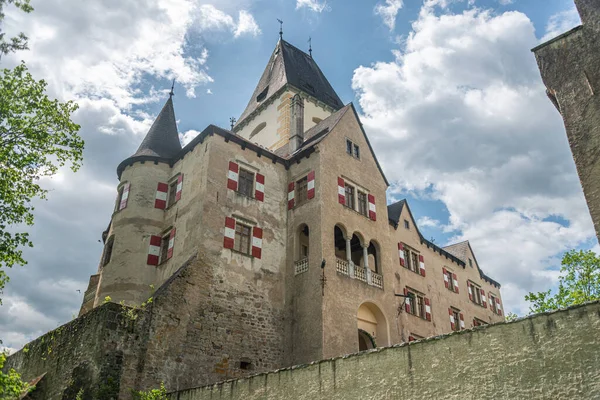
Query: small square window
point(470, 263)
point(406, 224)
point(356, 151)
point(246, 183)
point(242, 238)
point(348, 146)
point(172, 193)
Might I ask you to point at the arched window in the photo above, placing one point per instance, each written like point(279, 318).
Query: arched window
point(356, 249)
point(340, 242)
point(258, 128)
point(303, 242)
point(373, 252)
point(372, 327)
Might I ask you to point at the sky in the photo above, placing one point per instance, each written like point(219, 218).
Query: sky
point(448, 92)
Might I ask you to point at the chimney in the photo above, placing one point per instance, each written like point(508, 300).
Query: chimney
point(296, 123)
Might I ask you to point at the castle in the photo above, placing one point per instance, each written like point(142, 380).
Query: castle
point(262, 247)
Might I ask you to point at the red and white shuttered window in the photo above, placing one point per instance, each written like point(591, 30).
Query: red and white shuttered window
point(401, 254)
point(457, 319)
point(301, 190)
point(233, 181)
point(421, 265)
point(123, 196)
point(417, 304)
point(346, 196)
point(161, 248)
point(179, 187)
point(163, 198)
point(372, 209)
point(160, 199)
point(495, 304)
point(476, 294)
point(450, 280)
point(341, 191)
point(237, 237)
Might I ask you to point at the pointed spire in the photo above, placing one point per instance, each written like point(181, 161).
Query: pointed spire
point(310, 46)
point(172, 92)
point(162, 140)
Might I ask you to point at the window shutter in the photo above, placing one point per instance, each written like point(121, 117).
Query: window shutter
point(311, 185)
point(160, 200)
point(455, 282)
point(229, 236)
point(452, 322)
point(445, 272)
point(483, 299)
point(232, 176)
point(427, 309)
point(411, 338)
point(462, 321)
point(498, 307)
point(406, 301)
point(372, 210)
point(257, 235)
point(124, 196)
point(401, 253)
point(179, 187)
point(259, 187)
point(341, 191)
point(291, 194)
point(421, 265)
point(470, 287)
point(171, 243)
point(475, 323)
point(154, 250)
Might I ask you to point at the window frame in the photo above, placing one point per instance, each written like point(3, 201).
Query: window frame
point(120, 191)
point(251, 181)
point(172, 193)
point(301, 191)
point(352, 190)
point(476, 290)
point(238, 236)
point(456, 315)
point(480, 322)
point(492, 300)
point(349, 146)
point(411, 260)
point(406, 224)
point(362, 203)
point(449, 275)
point(108, 249)
point(417, 302)
point(356, 151)
point(163, 255)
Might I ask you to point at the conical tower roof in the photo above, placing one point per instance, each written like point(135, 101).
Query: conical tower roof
point(161, 142)
point(290, 65)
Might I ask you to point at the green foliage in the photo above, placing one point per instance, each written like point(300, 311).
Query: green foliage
point(79, 395)
point(37, 137)
point(11, 386)
point(579, 282)
point(511, 316)
point(153, 394)
point(107, 299)
point(18, 42)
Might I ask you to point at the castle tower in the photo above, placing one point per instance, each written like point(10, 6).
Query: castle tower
point(267, 119)
point(123, 273)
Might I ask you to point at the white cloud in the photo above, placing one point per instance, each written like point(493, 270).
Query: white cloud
point(461, 115)
point(389, 11)
point(246, 25)
point(313, 5)
point(427, 222)
point(561, 22)
point(187, 136)
point(506, 2)
point(209, 18)
point(208, 91)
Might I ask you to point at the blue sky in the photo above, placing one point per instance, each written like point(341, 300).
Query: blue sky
point(448, 92)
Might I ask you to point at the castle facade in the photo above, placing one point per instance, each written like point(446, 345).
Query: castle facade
point(273, 244)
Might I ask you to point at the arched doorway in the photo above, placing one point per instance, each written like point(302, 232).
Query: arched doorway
point(372, 327)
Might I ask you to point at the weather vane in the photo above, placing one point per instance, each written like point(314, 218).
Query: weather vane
point(232, 121)
point(172, 93)
point(310, 46)
point(280, 28)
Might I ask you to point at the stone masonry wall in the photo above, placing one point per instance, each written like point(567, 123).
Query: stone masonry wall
point(546, 356)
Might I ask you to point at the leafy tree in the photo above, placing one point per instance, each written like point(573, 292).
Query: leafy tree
point(579, 282)
point(511, 317)
point(18, 42)
point(11, 386)
point(153, 394)
point(37, 137)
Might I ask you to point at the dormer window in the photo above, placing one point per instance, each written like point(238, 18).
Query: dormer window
point(262, 95)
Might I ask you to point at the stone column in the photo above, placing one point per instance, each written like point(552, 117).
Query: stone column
point(349, 257)
point(366, 265)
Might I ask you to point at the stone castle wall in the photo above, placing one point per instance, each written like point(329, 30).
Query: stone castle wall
point(546, 356)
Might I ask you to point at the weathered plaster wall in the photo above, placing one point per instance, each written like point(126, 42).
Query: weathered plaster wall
point(569, 69)
point(547, 356)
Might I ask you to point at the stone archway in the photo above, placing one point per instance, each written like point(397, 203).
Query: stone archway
point(372, 327)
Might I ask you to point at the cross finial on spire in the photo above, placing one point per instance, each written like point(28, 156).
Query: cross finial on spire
point(172, 93)
point(232, 121)
point(280, 28)
point(310, 46)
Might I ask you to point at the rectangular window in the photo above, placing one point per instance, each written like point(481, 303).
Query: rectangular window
point(478, 322)
point(348, 147)
point(414, 262)
point(108, 250)
point(417, 304)
point(492, 300)
point(246, 183)
point(172, 193)
point(119, 197)
point(242, 238)
point(450, 280)
point(456, 316)
point(350, 196)
point(301, 191)
point(406, 224)
point(304, 251)
point(475, 294)
point(356, 151)
point(407, 259)
point(362, 204)
point(164, 248)
point(470, 263)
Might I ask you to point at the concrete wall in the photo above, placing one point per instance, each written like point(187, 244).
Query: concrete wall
point(569, 69)
point(547, 356)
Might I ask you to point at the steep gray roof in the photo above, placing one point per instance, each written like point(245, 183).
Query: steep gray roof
point(161, 141)
point(290, 65)
point(394, 211)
